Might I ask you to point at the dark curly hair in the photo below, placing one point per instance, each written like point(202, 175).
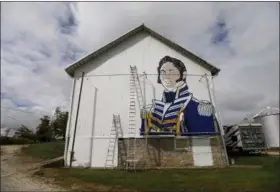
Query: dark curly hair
point(176, 62)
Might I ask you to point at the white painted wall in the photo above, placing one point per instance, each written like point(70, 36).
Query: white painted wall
point(103, 96)
point(202, 152)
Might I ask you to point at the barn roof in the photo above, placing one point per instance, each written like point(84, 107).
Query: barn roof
point(142, 28)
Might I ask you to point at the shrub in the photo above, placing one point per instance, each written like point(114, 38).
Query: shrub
point(14, 141)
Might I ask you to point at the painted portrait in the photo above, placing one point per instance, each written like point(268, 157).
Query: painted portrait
point(178, 112)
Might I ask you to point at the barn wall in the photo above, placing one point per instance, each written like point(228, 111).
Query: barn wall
point(164, 153)
point(102, 96)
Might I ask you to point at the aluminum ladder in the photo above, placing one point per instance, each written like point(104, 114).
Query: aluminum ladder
point(135, 94)
point(109, 162)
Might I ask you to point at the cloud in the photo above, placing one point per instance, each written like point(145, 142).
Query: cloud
point(38, 40)
point(32, 67)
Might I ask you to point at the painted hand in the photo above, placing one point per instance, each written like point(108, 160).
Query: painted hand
point(181, 116)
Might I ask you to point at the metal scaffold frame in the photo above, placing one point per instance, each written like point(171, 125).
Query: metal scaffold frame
point(217, 118)
point(136, 91)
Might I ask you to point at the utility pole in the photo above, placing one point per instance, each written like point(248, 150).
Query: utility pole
point(76, 120)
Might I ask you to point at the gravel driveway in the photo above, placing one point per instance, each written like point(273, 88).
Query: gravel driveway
point(14, 176)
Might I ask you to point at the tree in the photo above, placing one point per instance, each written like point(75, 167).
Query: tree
point(44, 132)
point(7, 131)
point(59, 123)
point(25, 132)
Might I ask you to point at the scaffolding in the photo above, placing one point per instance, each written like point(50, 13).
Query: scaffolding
point(136, 91)
point(138, 99)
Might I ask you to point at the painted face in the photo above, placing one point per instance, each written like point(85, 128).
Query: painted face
point(169, 74)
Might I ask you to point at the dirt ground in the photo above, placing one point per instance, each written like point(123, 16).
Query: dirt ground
point(273, 153)
point(14, 174)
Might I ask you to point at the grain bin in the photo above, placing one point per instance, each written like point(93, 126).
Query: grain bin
point(269, 118)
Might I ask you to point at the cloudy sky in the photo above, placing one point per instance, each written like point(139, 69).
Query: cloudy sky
point(38, 40)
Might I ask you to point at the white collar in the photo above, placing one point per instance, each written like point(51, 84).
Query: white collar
point(177, 89)
point(179, 85)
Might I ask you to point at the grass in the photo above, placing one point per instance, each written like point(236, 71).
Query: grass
point(44, 150)
point(228, 179)
point(263, 160)
point(205, 180)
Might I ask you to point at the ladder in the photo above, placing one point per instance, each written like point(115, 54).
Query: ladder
point(135, 94)
point(118, 126)
point(114, 133)
point(136, 86)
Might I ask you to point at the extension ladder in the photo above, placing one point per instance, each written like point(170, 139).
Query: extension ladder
point(135, 94)
point(114, 134)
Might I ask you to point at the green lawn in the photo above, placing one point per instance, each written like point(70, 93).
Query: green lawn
point(205, 180)
point(264, 160)
point(44, 150)
point(231, 179)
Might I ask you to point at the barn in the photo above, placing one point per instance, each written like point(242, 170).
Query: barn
point(143, 101)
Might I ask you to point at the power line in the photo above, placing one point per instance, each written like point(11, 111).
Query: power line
point(23, 122)
point(229, 95)
point(31, 111)
point(13, 118)
point(22, 111)
point(127, 74)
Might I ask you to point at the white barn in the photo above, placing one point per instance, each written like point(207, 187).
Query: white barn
point(105, 79)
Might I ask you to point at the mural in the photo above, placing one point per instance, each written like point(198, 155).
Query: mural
point(178, 112)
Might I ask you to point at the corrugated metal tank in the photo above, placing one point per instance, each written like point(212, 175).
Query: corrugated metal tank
point(269, 118)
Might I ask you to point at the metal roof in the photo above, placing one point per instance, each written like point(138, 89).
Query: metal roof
point(267, 111)
point(142, 28)
point(247, 121)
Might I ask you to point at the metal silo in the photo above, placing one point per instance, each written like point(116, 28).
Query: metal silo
point(269, 118)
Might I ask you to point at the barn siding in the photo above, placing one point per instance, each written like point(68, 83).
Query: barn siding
point(103, 96)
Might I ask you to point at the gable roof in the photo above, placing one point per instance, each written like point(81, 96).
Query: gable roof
point(142, 28)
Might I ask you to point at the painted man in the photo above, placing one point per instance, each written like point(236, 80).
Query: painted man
point(178, 112)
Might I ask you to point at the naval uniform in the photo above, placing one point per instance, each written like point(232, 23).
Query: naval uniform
point(179, 113)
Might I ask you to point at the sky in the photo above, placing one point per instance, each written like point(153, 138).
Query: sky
point(40, 39)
